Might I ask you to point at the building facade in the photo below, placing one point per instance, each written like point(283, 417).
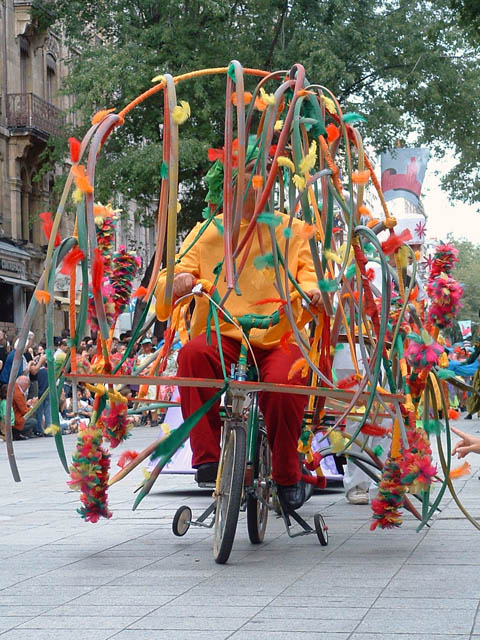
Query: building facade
point(32, 65)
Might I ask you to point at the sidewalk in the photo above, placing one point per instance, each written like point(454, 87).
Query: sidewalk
point(130, 578)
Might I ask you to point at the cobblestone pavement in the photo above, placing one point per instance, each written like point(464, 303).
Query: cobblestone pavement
point(129, 578)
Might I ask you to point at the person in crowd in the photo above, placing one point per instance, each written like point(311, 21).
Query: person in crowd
point(43, 414)
point(3, 410)
point(24, 428)
point(24, 365)
point(61, 352)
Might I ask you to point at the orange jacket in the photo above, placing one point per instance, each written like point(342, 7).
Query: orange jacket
point(255, 285)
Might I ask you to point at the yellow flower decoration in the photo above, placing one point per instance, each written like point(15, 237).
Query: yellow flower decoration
point(329, 104)
point(52, 430)
point(308, 162)
point(283, 161)
point(268, 98)
point(278, 125)
point(299, 182)
point(159, 79)
point(181, 112)
point(77, 196)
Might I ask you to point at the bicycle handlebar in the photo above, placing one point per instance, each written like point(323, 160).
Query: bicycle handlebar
point(248, 320)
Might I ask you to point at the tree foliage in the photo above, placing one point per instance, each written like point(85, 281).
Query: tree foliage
point(467, 271)
point(405, 64)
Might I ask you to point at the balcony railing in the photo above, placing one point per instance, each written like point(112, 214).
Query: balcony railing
point(28, 111)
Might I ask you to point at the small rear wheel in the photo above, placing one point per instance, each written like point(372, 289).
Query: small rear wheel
point(321, 529)
point(181, 521)
point(257, 503)
point(229, 496)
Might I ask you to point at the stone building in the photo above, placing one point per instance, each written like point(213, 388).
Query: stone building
point(32, 65)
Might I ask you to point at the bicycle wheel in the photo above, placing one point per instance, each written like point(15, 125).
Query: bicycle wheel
point(229, 496)
point(257, 509)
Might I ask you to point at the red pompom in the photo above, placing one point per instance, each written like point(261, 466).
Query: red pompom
point(74, 150)
point(394, 242)
point(333, 133)
point(47, 226)
point(70, 261)
point(374, 430)
point(126, 457)
point(347, 383)
point(98, 267)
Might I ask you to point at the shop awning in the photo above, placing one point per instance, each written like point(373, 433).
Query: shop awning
point(65, 301)
point(22, 283)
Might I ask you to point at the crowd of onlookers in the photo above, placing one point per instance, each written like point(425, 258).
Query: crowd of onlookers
point(31, 386)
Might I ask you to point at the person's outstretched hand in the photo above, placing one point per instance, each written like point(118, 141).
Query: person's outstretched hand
point(467, 444)
point(183, 284)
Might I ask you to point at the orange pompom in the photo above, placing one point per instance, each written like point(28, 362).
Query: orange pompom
point(462, 470)
point(364, 211)
point(81, 179)
point(375, 430)
point(141, 292)
point(361, 177)
point(453, 414)
point(43, 297)
point(100, 115)
point(257, 182)
point(247, 97)
point(333, 133)
point(297, 366)
point(307, 231)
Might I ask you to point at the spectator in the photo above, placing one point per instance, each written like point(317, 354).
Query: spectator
point(60, 354)
point(3, 409)
point(24, 365)
point(43, 410)
point(23, 428)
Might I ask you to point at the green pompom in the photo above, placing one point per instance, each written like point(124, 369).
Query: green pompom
point(353, 118)
point(433, 427)
point(378, 451)
point(445, 374)
point(164, 170)
point(231, 71)
point(219, 226)
point(287, 232)
point(263, 262)
point(328, 285)
point(269, 218)
point(350, 272)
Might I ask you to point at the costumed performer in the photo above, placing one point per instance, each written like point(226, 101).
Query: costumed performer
point(283, 412)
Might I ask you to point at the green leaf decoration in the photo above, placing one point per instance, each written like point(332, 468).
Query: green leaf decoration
point(353, 118)
point(164, 170)
point(231, 72)
point(328, 285)
point(269, 218)
point(263, 262)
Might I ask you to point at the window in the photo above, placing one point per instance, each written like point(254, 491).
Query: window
point(51, 89)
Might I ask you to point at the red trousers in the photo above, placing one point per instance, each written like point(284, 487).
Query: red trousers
point(283, 412)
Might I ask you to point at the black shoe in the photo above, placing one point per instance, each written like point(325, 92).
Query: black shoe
point(207, 473)
point(291, 496)
point(16, 435)
point(39, 434)
point(468, 417)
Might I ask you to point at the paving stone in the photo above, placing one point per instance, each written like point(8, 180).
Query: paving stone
point(416, 620)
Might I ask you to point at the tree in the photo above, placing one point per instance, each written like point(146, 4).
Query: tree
point(405, 64)
point(467, 271)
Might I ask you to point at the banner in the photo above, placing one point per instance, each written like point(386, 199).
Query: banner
point(403, 171)
point(465, 328)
